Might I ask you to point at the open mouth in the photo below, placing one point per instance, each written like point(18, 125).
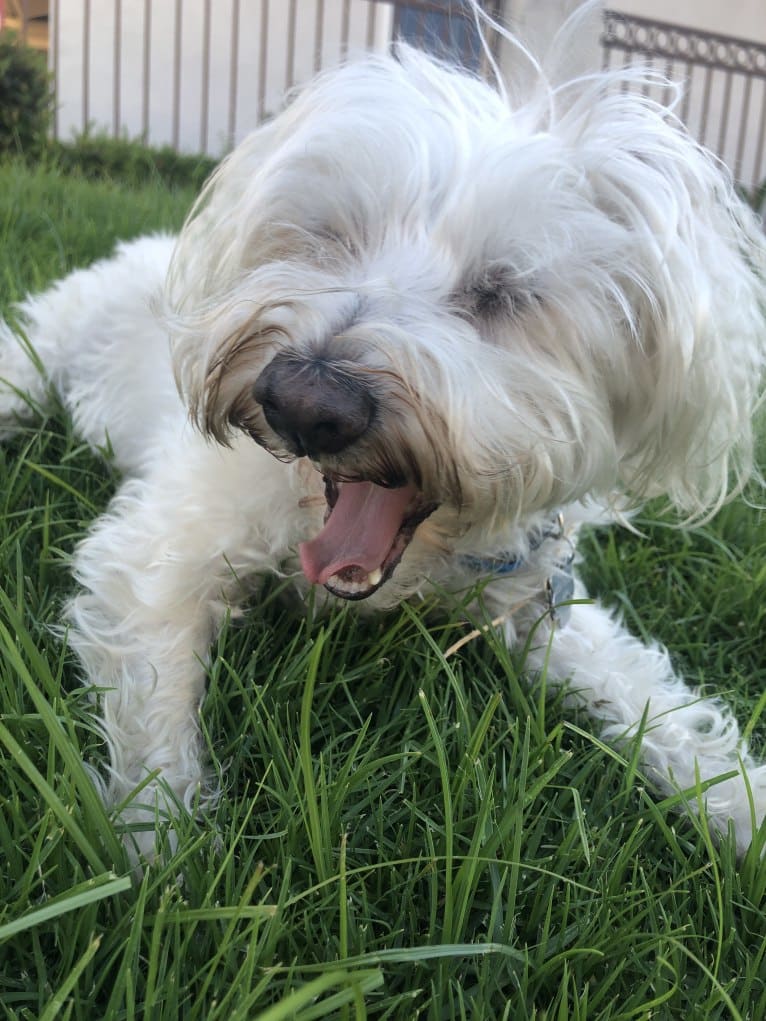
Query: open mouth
point(366, 531)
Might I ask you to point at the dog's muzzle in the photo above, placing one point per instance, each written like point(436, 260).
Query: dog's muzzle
point(320, 410)
point(312, 405)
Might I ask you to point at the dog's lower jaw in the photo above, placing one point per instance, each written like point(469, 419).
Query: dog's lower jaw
point(367, 530)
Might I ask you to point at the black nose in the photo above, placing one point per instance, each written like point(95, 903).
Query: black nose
point(312, 405)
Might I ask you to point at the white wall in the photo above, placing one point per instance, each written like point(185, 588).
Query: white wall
point(743, 18)
point(536, 22)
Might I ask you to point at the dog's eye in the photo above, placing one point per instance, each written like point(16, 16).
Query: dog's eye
point(495, 292)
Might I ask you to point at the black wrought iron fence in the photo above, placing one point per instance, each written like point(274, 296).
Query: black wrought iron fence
point(723, 102)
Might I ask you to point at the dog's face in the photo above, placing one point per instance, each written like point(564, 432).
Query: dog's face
point(461, 309)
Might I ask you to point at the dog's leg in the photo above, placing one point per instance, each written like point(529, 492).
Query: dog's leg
point(142, 627)
point(158, 573)
point(23, 387)
point(685, 737)
point(94, 339)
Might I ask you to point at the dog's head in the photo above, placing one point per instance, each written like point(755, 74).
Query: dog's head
point(444, 299)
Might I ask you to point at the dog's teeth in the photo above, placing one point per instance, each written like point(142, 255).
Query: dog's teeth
point(375, 577)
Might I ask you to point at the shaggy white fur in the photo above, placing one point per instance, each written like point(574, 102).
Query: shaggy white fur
point(471, 314)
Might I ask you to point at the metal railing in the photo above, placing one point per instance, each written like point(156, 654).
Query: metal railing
point(723, 102)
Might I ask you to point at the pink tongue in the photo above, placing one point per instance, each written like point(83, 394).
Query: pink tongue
point(359, 532)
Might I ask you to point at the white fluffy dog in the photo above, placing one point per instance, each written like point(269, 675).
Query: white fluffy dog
point(421, 332)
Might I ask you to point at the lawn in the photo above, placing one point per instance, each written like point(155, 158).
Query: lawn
point(402, 834)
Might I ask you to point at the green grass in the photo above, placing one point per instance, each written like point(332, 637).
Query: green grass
point(400, 835)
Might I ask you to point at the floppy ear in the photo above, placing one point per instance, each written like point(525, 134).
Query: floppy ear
point(213, 250)
point(209, 251)
point(694, 316)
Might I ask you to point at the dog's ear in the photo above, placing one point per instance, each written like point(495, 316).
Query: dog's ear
point(692, 317)
point(210, 256)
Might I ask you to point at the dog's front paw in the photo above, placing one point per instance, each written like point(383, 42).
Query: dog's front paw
point(148, 834)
